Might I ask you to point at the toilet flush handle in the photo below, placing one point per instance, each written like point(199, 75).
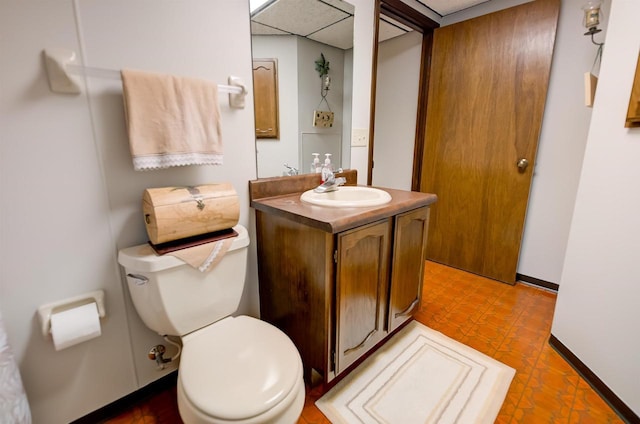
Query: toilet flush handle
point(138, 279)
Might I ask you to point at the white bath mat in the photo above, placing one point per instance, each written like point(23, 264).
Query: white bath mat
point(420, 376)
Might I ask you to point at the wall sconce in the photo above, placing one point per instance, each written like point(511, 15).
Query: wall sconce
point(326, 83)
point(591, 19)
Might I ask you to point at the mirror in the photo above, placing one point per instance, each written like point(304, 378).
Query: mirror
point(297, 35)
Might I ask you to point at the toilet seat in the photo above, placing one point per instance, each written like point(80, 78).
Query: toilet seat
point(238, 369)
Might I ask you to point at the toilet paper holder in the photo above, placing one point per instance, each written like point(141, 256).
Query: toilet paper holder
point(45, 311)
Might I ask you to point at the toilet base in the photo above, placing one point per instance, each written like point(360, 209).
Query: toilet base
point(286, 412)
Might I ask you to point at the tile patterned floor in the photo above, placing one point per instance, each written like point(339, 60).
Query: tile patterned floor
point(508, 323)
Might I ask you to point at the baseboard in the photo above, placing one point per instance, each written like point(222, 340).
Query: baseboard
point(537, 282)
point(594, 381)
point(119, 406)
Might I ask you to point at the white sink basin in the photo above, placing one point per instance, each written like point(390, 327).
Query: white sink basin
point(347, 197)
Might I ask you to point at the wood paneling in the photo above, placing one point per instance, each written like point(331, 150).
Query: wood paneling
point(489, 78)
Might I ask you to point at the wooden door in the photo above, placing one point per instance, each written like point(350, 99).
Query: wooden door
point(409, 244)
point(361, 290)
point(487, 91)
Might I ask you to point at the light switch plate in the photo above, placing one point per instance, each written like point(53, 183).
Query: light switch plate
point(359, 137)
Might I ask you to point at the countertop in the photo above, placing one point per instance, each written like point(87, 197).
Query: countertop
point(335, 220)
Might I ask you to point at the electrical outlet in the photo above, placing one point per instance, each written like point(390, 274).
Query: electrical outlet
point(322, 118)
point(360, 137)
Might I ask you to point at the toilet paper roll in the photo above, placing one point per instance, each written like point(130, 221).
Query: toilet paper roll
point(75, 326)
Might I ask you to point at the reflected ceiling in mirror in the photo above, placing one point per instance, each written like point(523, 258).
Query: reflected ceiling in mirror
point(390, 28)
point(328, 21)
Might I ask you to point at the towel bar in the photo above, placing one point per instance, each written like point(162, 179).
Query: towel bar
point(60, 70)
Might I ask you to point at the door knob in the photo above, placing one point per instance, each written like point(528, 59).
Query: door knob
point(522, 164)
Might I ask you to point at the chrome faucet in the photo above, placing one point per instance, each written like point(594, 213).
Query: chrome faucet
point(330, 184)
point(291, 170)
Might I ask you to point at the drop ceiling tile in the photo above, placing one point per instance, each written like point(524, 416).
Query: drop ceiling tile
point(302, 17)
point(342, 5)
point(338, 35)
point(446, 7)
point(259, 29)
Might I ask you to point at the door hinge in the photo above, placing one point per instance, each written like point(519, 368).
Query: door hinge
point(333, 360)
point(335, 256)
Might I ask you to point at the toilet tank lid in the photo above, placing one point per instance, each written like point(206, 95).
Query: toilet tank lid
point(143, 258)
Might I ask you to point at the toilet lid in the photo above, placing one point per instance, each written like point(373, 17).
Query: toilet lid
point(238, 368)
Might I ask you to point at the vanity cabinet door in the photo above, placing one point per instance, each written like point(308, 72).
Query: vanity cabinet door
point(410, 241)
point(361, 291)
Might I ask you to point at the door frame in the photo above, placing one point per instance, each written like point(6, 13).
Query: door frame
point(401, 12)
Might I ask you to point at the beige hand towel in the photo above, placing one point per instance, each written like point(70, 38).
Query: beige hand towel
point(172, 121)
point(205, 256)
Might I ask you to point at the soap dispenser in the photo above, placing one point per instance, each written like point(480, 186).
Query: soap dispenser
point(327, 168)
point(316, 168)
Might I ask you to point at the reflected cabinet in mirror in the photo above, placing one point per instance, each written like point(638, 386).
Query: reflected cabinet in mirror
point(633, 113)
point(265, 97)
point(312, 43)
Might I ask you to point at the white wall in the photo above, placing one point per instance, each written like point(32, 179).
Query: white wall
point(396, 108)
point(69, 195)
point(273, 153)
point(56, 240)
point(561, 148)
point(597, 313)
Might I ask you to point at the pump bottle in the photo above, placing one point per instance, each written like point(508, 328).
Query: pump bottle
point(327, 168)
point(316, 167)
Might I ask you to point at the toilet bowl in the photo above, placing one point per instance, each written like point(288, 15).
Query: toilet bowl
point(240, 370)
point(237, 370)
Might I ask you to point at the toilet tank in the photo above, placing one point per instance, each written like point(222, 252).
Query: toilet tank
point(173, 298)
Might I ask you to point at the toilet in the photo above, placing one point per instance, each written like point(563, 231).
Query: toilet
point(237, 370)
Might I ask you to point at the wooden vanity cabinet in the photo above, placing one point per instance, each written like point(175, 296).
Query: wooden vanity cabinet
point(339, 295)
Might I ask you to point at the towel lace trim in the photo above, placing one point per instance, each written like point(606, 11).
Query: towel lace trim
point(214, 253)
point(144, 163)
